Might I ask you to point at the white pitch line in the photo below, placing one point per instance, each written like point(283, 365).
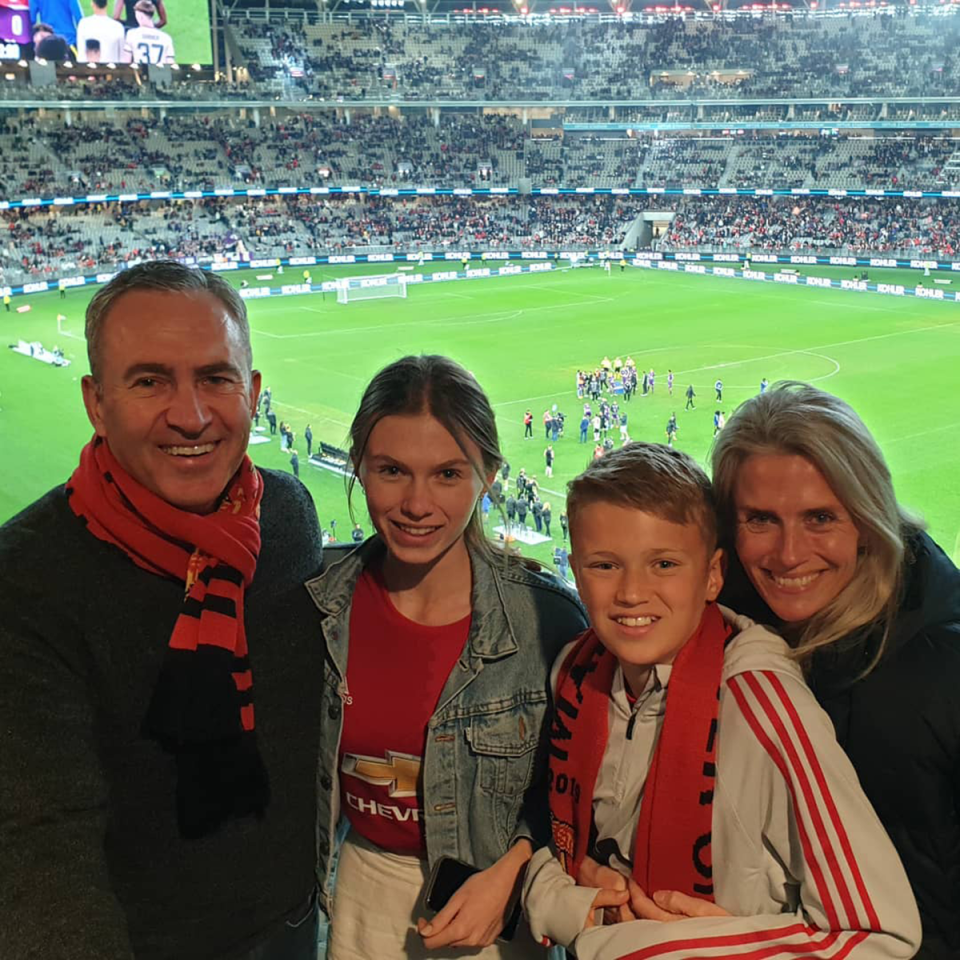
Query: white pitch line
point(916, 436)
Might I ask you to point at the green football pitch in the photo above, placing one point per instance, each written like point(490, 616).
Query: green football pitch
point(524, 337)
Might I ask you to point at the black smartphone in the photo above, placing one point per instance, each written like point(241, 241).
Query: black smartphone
point(449, 874)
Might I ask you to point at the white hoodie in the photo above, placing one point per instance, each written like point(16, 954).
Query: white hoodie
point(800, 859)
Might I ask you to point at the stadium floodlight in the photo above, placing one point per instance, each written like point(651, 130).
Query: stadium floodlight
point(195, 66)
point(371, 288)
point(111, 66)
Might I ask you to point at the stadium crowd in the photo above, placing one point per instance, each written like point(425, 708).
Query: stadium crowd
point(910, 227)
point(45, 242)
point(181, 151)
point(881, 55)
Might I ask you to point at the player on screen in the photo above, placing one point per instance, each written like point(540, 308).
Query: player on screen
point(125, 12)
point(102, 28)
point(145, 43)
point(62, 17)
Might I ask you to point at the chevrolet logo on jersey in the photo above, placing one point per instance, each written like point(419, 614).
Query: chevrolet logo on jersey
point(399, 772)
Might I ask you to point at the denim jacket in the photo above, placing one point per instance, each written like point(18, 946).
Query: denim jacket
point(484, 763)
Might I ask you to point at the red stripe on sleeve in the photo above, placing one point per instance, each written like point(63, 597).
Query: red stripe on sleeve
point(812, 862)
point(790, 707)
point(727, 940)
point(811, 798)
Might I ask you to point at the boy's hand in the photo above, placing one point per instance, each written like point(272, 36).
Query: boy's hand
point(605, 900)
point(669, 905)
point(592, 874)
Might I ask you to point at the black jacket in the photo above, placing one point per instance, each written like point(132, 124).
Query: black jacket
point(900, 726)
point(92, 866)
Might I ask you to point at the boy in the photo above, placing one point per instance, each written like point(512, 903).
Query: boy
point(693, 777)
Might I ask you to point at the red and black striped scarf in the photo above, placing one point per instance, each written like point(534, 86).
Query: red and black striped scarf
point(672, 850)
point(202, 705)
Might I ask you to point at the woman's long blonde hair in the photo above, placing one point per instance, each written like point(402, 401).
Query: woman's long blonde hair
point(795, 418)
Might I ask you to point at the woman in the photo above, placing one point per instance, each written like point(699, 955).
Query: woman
point(438, 654)
point(820, 547)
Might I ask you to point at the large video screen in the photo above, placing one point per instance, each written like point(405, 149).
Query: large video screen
point(106, 31)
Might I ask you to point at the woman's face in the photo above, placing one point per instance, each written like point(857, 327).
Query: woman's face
point(795, 540)
point(421, 488)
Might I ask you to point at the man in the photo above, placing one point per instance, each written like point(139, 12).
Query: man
point(691, 393)
point(125, 12)
point(62, 17)
point(356, 534)
point(718, 386)
point(6, 302)
point(272, 420)
point(528, 424)
point(146, 811)
point(548, 456)
point(101, 28)
point(308, 436)
point(671, 429)
point(522, 512)
point(511, 511)
point(295, 463)
point(145, 43)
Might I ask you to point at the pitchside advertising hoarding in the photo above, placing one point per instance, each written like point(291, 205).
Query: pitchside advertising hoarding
point(160, 31)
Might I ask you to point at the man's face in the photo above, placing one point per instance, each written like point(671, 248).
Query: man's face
point(175, 396)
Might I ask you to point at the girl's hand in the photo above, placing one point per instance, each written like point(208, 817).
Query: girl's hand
point(477, 912)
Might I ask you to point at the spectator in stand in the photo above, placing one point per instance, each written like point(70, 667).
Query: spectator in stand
point(144, 812)
point(820, 547)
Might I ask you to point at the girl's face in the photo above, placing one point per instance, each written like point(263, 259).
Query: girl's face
point(796, 541)
point(420, 486)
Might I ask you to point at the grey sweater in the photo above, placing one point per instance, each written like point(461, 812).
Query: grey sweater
point(91, 862)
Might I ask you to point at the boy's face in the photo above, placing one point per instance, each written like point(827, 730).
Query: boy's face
point(644, 580)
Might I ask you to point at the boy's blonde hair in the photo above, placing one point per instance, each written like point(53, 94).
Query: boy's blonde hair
point(651, 477)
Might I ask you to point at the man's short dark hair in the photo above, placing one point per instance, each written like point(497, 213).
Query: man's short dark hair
point(165, 276)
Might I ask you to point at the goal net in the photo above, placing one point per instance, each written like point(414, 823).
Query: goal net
point(371, 288)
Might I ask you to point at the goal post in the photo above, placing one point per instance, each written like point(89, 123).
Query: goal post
point(350, 289)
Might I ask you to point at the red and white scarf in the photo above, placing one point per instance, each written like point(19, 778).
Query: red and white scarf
point(672, 849)
point(202, 705)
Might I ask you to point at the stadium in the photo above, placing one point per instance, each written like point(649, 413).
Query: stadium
point(734, 156)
